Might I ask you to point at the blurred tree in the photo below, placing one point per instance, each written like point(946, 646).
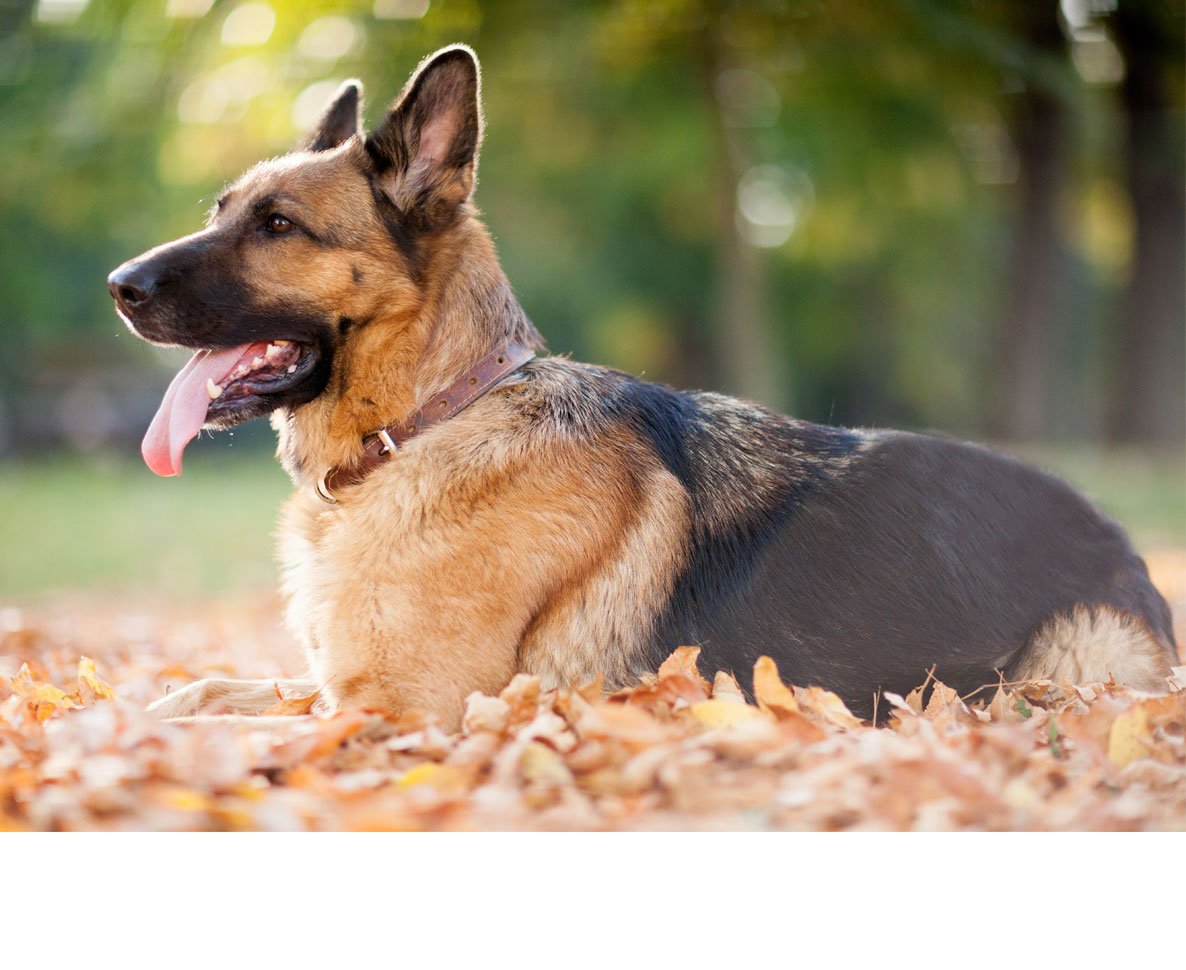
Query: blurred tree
point(1026, 357)
point(1151, 405)
point(870, 211)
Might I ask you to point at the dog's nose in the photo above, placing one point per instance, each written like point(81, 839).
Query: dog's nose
point(130, 286)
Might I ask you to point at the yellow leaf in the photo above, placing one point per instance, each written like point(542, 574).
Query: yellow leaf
point(722, 713)
point(446, 779)
point(542, 765)
point(90, 686)
point(1131, 736)
point(184, 799)
point(43, 700)
point(772, 694)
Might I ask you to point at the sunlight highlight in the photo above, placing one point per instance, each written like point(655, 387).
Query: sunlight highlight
point(248, 25)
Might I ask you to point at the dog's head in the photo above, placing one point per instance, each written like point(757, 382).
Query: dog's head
point(300, 250)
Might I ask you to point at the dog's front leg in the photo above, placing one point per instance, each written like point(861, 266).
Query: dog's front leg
point(217, 696)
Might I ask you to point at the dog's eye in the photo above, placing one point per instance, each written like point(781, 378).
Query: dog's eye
point(277, 224)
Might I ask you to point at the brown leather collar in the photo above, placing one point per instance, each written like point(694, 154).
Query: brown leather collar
point(380, 445)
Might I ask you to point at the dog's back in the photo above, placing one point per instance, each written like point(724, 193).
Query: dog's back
point(862, 559)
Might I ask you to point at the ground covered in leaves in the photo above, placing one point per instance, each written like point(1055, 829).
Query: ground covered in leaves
point(682, 751)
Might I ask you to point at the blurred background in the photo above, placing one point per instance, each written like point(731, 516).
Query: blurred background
point(953, 215)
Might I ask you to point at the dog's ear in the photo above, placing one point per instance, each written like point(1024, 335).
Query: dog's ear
point(425, 153)
point(340, 120)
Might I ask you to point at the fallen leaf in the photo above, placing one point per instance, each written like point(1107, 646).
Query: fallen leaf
point(942, 697)
point(1131, 736)
point(522, 695)
point(446, 779)
point(90, 687)
point(41, 699)
point(722, 713)
point(1177, 678)
point(771, 693)
point(543, 766)
point(827, 706)
point(662, 697)
point(1004, 707)
point(914, 699)
point(484, 713)
point(683, 661)
point(726, 688)
point(292, 706)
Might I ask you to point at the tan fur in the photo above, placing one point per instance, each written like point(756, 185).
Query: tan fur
point(459, 564)
point(1097, 643)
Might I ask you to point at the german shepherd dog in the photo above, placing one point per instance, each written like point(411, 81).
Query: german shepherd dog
point(568, 520)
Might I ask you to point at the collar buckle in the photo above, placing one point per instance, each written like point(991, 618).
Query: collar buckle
point(390, 447)
point(323, 492)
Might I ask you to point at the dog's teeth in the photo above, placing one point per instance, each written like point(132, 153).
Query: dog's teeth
point(292, 368)
point(274, 350)
point(257, 363)
point(212, 389)
point(281, 343)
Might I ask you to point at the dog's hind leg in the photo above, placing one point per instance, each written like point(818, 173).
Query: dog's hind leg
point(214, 696)
point(1095, 643)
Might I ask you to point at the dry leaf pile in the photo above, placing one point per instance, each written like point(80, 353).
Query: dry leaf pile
point(679, 751)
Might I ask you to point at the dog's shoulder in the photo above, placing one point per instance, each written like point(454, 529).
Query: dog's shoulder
point(685, 427)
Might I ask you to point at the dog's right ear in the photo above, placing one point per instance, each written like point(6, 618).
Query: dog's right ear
point(425, 153)
point(340, 120)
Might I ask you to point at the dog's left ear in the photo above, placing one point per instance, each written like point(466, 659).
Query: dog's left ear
point(425, 153)
point(340, 119)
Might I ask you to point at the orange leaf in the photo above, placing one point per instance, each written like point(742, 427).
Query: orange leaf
point(828, 706)
point(332, 731)
point(683, 662)
point(292, 706)
point(772, 694)
point(42, 700)
point(725, 688)
point(941, 698)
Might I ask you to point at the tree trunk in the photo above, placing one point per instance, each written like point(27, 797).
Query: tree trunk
point(748, 362)
point(1023, 372)
point(1151, 394)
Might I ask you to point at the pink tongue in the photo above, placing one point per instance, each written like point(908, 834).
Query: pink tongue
point(183, 409)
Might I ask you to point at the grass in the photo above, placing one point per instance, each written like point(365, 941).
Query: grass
point(104, 525)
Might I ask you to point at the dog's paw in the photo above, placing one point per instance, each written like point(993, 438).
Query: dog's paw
point(215, 696)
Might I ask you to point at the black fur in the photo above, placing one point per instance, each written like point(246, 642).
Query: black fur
point(858, 560)
point(340, 120)
point(194, 297)
point(426, 191)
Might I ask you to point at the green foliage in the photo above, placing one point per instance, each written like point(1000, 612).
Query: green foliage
point(618, 137)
